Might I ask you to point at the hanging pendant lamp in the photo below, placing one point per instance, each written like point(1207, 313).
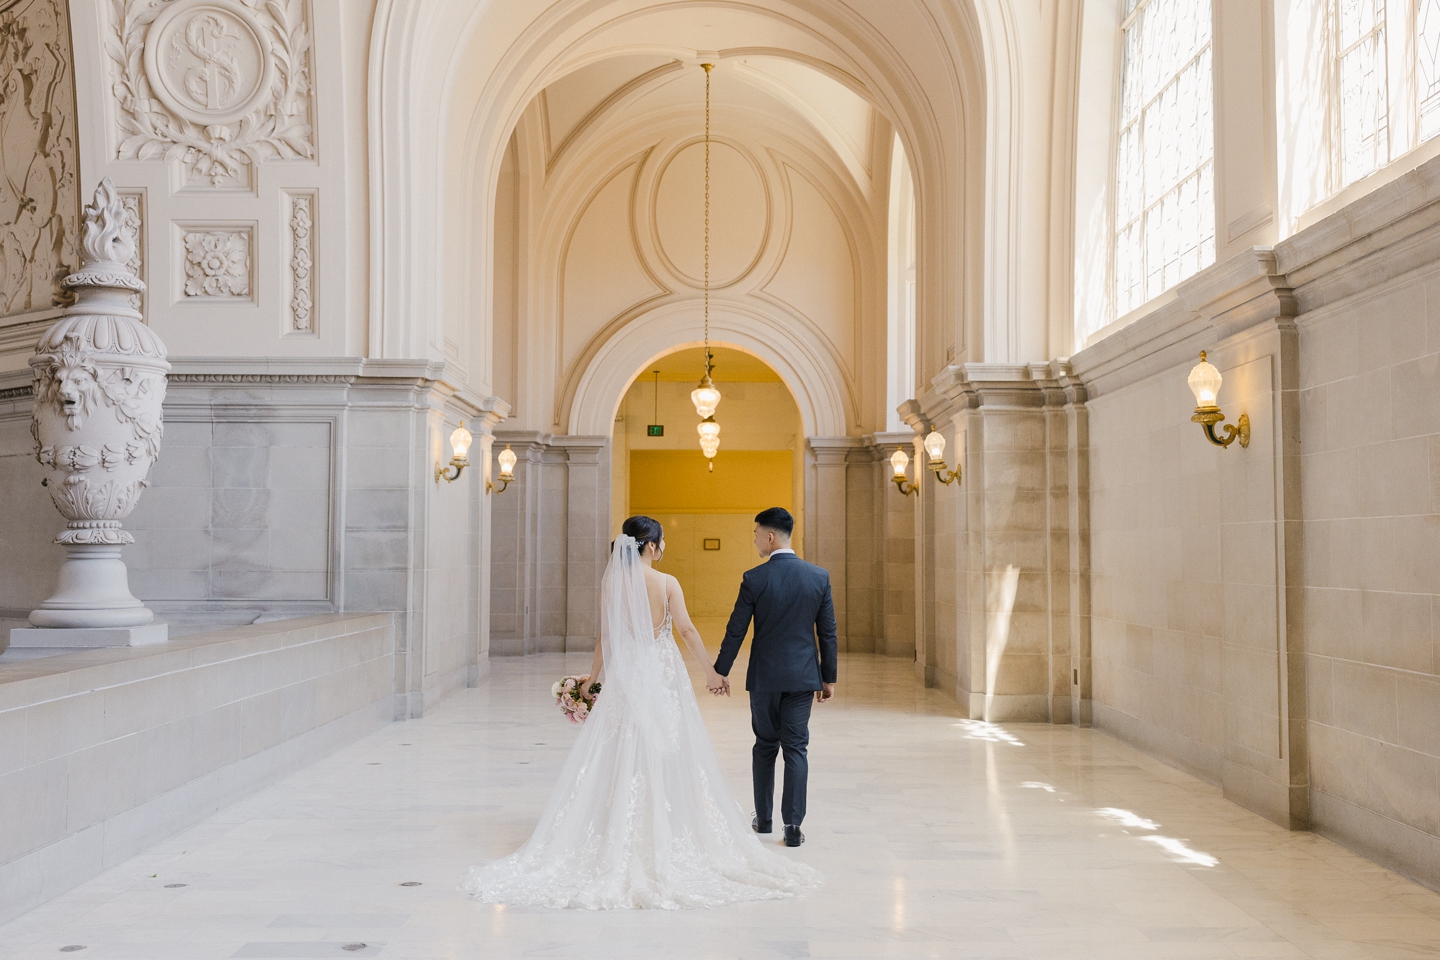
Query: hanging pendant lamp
point(705, 396)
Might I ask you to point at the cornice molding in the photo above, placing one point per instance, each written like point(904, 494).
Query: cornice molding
point(237, 378)
point(1248, 290)
point(1378, 237)
point(996, 386)
point(352, 371)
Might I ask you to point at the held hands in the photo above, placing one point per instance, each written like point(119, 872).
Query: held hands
point(718, 685)
point(826, 691)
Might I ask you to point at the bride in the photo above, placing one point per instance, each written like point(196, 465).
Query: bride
point(642, 815)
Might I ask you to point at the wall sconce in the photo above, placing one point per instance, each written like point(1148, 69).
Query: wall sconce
point(1205, 384)
point(506, 458)
point(460, 444)
point(899, 461)
point(935, 449)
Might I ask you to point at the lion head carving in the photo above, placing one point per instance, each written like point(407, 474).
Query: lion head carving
point(70, 382)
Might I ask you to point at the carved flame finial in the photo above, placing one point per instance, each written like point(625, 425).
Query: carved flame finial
point(105, 238)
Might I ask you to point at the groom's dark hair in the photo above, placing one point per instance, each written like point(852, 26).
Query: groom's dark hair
point(777, 519)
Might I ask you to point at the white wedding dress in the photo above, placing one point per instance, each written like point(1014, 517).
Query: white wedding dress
point(642, 815)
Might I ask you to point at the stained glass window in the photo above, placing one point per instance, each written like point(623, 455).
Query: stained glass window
point(1164, 160)
point(1364, 98)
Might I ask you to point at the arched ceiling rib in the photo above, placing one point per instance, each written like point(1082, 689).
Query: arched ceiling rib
point(611, 93)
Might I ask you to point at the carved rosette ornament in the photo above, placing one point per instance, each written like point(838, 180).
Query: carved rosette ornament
point(99, 377)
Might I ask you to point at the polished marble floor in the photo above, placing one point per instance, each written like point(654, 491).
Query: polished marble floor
point(938, 837)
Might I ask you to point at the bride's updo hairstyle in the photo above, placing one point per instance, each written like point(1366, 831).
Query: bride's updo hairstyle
point(644, 530)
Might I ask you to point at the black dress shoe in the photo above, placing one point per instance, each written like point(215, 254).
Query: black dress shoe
point(759, 827)
point(793, 836)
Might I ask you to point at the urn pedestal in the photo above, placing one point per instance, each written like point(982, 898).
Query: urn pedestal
point(99, 377)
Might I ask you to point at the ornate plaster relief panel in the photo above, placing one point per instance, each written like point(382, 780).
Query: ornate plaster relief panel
point(216, 86)
point(222, 123)
point(39, 208)
point(301, 276)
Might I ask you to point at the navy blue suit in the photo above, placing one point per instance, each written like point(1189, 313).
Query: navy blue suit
point(794, 651)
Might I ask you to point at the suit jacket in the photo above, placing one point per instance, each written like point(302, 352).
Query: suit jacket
point(790, 602)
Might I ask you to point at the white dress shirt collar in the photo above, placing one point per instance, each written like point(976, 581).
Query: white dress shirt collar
point(779, 550)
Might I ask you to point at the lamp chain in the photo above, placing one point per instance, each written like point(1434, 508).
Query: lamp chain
point(708, 67)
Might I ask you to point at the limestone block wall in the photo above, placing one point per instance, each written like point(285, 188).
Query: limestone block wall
point(1196, 563)
point(1266, 617)
point(530, 551)
point(892, 544)
point(284, 495)
point(1370, 425)
point(1157, 600)
point(1005, 547)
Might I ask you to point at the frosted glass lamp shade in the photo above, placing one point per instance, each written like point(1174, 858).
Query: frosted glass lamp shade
point(935, 446)
point(1205, 383)
point(460, 442)
point(507, 460)
point(899, 462)
point(709, 432)
point(705, 397)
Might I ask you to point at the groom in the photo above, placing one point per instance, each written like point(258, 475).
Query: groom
point(790, 603)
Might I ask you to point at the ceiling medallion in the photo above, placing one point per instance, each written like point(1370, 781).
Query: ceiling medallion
point(705, 396)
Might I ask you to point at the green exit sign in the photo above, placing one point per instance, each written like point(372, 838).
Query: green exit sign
point(655, 430)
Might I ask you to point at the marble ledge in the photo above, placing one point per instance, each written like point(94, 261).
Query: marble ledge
point(33, 681)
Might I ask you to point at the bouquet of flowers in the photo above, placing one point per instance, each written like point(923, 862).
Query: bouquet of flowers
point(576, 697)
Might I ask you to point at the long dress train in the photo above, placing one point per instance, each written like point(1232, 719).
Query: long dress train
point(642, 814)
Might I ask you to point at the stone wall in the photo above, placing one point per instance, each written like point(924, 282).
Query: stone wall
point(1006, 543)
point(1195, 549)
point(283, 495)
point(1266, 616)
point(1370, 425)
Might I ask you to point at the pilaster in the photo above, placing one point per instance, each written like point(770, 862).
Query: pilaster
point(1009, 549)
point(587, 512)
point(826, 530)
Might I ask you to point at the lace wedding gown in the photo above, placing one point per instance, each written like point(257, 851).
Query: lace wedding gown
point(642, 815)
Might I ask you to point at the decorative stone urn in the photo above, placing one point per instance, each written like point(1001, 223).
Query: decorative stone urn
point(99, 384)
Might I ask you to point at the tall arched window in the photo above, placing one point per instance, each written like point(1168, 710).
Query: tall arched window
point(1164, 159)
point(1387, 82)
point(1364, 88)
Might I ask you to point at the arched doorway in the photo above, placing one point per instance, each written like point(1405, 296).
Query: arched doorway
point(657, 469)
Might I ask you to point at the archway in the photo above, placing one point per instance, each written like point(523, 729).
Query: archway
point(596, 215)
point(658, 469)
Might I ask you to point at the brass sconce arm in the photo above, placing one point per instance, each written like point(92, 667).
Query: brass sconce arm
point(458, 464)
point(905, 486)
point(945, 476)
point(1211, 417)
point(492, 487)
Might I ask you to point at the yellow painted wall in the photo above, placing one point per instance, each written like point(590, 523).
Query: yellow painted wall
point(678, 481)
point(693, 504)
